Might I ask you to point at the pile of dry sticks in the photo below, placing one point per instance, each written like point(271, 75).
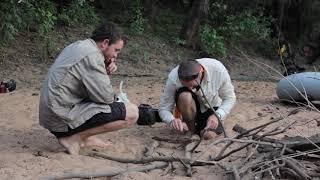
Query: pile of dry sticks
point(290, 157)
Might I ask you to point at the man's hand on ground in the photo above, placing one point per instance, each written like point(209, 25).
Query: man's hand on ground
point(177, 124)
point(212, 122)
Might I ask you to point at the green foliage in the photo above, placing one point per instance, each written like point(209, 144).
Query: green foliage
point(78, 12)
point(212, 41)
point(40, 16)
point(246, 24)
point(179, 41)
point(167, 25)
point(138, 22)
point(226, 24)
point(44, 16)
point(25, 15)
point(10, 19)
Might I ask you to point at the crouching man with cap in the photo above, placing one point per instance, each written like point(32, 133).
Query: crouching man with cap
point(200, 94)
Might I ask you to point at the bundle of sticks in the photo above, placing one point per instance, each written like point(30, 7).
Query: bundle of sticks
point(265, 157)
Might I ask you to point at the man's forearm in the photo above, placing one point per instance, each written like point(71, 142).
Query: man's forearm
point(166, 116)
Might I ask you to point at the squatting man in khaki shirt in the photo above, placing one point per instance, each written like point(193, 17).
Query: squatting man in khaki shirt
point(77, 98)
point(188, 90)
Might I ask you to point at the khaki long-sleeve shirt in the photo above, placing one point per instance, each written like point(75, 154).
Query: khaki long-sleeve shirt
point(76, 88)
point(216, 85)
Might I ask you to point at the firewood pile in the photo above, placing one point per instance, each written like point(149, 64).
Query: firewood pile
point(265, 157)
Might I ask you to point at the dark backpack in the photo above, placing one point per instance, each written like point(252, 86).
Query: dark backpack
point(148, 115)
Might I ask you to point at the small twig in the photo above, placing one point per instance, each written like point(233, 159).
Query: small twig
point(271, 174)
point(298, 170)
point(201, 139)
point(166, 171)
point(268, 169)
point(303, 124)
point(188, 157)
point(278, 169)
point(236, 173)
point(251, 164)
point(251, 134)
point(290, 172)
point(174, 141)
point(203, 163)
point(183, 163)
point(250, 154)
point(283, 150)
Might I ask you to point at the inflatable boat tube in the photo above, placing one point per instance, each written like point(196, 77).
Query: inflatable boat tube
point(307, 83)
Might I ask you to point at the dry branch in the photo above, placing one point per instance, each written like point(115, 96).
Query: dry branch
point(236, 173)
point(201, 139)
point(88, 175)
point(145, 160)
point(244, 132)
point(290, 163)
point(174, 141)
point(188, 156)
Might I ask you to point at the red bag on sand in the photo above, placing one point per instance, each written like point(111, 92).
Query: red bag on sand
point(7, 86)
point(3, 88)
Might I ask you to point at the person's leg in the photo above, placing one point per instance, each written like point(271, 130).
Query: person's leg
point(202, 123)
point(187, 107)
point(72, 143)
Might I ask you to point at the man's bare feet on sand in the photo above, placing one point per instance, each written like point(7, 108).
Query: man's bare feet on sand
point(94, 141)
point(72, 144)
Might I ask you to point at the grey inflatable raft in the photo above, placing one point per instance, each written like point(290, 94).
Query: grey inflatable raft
point(307, 83)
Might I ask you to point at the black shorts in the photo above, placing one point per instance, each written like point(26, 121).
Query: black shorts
point(118, 112)
point(201, 118)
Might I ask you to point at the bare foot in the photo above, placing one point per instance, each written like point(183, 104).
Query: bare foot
point(209, 135)
point(94, 141)
point(72, 144)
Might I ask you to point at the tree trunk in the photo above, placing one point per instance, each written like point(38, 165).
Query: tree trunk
point(151, 11)
point(190, 28)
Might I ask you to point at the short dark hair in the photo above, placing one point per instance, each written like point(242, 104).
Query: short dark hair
point(189, 70)
point(108, 30)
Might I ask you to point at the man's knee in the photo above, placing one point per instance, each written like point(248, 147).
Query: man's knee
point(132, 113)
point(186, 102)
point(185, 97)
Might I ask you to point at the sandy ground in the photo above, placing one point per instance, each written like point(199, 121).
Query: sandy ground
point(28, 151)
